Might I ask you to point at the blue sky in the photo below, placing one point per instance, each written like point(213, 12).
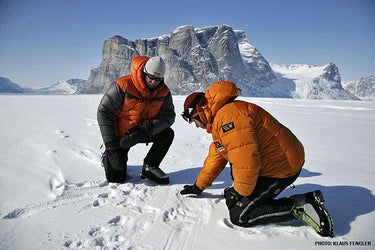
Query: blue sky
point(45, 41)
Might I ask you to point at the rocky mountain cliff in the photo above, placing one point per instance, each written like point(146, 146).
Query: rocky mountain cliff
point(195, 58)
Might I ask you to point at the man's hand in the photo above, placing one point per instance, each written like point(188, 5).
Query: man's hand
point(191, 189)
point(137, 135)
point(133, 138)
point(147, 126)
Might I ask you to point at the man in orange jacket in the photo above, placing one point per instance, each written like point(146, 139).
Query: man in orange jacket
point(265, 158)
point(137, 108)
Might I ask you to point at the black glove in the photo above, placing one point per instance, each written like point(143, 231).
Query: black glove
point(112, 145)
point(231, 197)
point(191, 189)
point(136, 136)
point(147, 126)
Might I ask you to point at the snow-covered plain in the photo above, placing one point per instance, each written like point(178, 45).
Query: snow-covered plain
point(54, 194)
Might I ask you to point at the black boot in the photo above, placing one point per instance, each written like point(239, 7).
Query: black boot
point(309, 207)
point(154, 174)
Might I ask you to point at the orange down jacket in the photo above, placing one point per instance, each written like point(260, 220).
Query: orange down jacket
point(247, 136)
point(128, 103)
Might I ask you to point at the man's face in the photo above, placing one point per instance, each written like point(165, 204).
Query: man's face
point(152, 81)
point(199, 124)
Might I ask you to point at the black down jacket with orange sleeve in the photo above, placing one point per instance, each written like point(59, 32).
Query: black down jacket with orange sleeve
point(248, 137)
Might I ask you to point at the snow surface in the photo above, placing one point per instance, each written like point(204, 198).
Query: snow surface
point(54, 194)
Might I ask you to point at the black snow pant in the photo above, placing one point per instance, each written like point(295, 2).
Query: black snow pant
point(260, 207)
point(160, 145)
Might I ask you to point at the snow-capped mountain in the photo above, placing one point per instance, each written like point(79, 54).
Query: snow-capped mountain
point(68, 87)
point(363, 88)
point(311, 81)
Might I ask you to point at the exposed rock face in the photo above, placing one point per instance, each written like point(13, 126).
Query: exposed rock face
point(195, 58)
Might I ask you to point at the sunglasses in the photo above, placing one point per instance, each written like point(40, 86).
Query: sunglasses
point(189, 117)
point(152, 77)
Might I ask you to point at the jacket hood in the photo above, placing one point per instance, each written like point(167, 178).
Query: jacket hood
point(217, 95)
point(136, 71)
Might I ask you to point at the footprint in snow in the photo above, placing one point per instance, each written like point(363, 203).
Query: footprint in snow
point(99, 202)
point(90, 155)
point(181, 217)
point(62, 133)
point(90, 122)
point(57, 185)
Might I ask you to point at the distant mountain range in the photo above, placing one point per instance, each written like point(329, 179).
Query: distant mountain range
point(70, 87)
point(195, 58)
point(7, 86)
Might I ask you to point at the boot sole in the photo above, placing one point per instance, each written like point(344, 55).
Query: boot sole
point(318, 197)
point(163, 181)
